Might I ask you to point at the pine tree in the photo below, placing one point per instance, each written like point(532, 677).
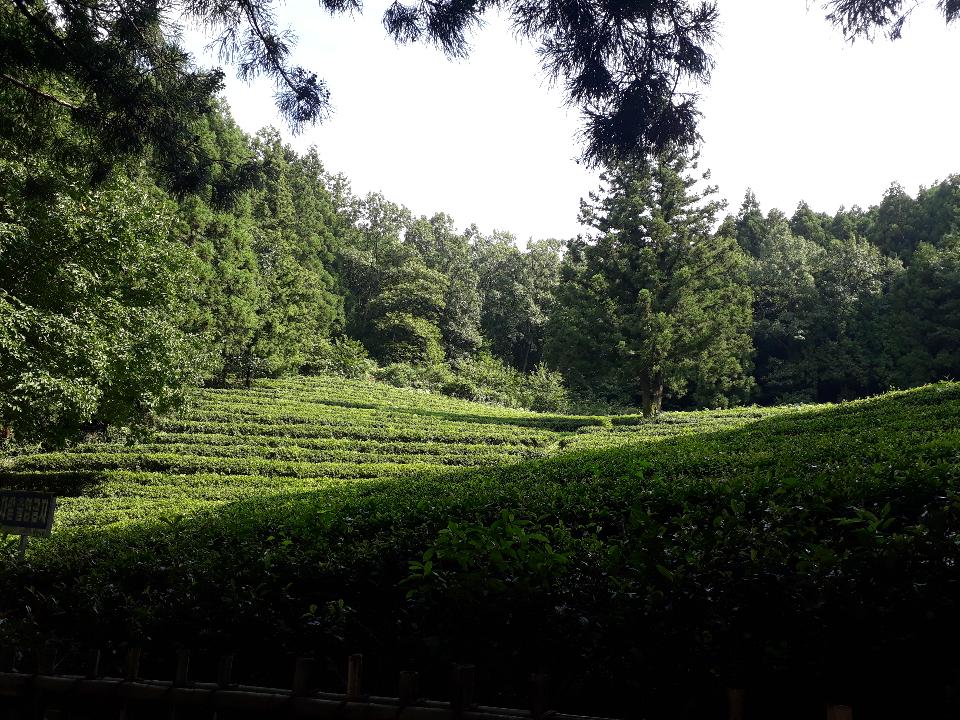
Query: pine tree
point(670, 295)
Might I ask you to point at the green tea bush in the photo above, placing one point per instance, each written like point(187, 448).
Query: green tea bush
point(468, 562)
point(813, 548)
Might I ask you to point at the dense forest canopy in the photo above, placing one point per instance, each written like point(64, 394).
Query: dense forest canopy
point(149, 244)
point(126, 282)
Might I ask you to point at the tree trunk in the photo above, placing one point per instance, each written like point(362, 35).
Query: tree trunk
point(223, 369)
point(657, 396)
point(651, 394)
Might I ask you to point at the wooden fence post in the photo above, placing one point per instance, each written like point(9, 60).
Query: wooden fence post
point(463, 687)
point(539, 698)
point(47, 661)
point(224, 671)
point(354, 676)
point(304, 676)
point(182, 676)
point(735, 698)
point(92, 671)
point(8, 658)
point(409, 690)
point(132, 668)
point(131, 673)
point(839, 712)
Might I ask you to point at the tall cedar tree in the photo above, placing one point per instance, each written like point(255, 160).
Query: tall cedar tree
point(663, 301)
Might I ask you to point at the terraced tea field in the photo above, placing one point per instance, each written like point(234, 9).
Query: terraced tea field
point(304, 434)
point(795, 550)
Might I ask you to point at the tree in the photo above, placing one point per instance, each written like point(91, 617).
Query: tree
point(516, 290)
point(111, 69)
point(90, 327)
point(846, 352)
point(628, 65)
point(670, 295)
point(448, 252)
point(749, 226)
point(923, 328)
point(810, 225)
point(620, 62)
point(224, 297)
point(816, 315)
point(299, 304)
point(861, 18)
point(395, 301)
point(895, 227)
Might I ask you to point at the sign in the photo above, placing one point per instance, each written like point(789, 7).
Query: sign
point(26, 513)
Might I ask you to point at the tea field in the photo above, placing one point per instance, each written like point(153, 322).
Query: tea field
point(306, 434)
point(805, 552)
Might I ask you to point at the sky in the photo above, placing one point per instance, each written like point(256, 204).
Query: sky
point(793, 112)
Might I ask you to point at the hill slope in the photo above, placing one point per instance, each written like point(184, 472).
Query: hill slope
point(296, 435)
point(812, 550)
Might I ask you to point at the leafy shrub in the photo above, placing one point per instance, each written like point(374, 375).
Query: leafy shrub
point(545, 391)
point(460, 387)
point(494, 381)
point(469, 561)
point(418, 377)
point(483, 378)
point(344, 357)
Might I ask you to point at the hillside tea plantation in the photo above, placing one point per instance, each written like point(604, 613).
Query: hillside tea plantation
point(807, 553)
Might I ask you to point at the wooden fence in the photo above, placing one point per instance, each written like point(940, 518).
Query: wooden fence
point(46, 695)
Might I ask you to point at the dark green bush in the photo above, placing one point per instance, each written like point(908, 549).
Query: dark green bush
point(343, 357)
point(418, 377)
point(494, 381)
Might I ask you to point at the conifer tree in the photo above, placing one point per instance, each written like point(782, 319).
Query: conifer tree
point(669, 295)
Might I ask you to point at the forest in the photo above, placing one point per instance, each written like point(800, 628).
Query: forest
point(129, 278)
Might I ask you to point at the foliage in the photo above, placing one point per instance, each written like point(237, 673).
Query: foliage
point(445, 251)
point(418, 377)
point(343, 357)
point(588, 47)
point(729, 546)
point(470, 562)
point(483, 379)
point(861, 18)
point(517, 294)
point(820, 304)
point(660, 298)
point(632, 68)
point(262, 242)
point(923, 330)
point(89, 329)
point(487, 379)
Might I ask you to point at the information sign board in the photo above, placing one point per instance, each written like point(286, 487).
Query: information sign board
point(26, 513)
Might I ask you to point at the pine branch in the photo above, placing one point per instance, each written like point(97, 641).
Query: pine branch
point(39, 93)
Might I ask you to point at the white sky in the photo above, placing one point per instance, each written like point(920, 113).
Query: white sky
point(793, 112)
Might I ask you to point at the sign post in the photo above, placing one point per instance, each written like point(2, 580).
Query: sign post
point(26, 513)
